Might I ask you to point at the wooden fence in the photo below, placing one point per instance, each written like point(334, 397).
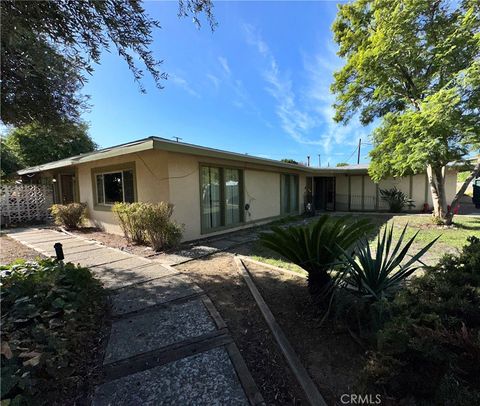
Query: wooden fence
point(25, 203)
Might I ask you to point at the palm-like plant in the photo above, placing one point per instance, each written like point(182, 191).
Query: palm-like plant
point(317, 247)
point(380, 276)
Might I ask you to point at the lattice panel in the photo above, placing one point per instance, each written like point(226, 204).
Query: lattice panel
point(25, 203)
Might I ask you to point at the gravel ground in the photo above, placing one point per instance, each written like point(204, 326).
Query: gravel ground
point(10, 250)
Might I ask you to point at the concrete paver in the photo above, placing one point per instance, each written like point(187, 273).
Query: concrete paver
point(150, 293)
point(204, 379)
point(154, 307)
point(113, 278)
point(152, 330)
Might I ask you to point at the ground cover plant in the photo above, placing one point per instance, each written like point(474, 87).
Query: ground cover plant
point(428, 352)
point(51, 319)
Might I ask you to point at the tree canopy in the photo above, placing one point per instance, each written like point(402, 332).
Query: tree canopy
point(412, 66)
point(36, 144)
point(289, 161)
point(49, 47)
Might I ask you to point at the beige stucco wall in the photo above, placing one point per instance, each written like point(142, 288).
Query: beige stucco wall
point(414, 187)
point(151, 170)
point(174, 177)
point(261, 191)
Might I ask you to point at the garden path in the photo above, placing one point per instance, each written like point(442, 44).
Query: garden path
point(167, 344)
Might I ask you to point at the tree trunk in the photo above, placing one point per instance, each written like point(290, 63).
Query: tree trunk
point(461, 191)
point(436, 179)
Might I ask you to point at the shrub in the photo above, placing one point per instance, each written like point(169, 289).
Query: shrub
point(51, 318)
point(316, 247)
point(160, 231)
point(430, 349)
point(70, 215)
point(129, 216)
point(396, 199)
point(149, 222)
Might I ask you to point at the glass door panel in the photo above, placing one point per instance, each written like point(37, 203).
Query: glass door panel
point(211, 197)
point(232, 196)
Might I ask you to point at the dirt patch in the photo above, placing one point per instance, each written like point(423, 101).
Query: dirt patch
point(10, 250)
point(333, 359)
point(217, 275)
point(114, 241)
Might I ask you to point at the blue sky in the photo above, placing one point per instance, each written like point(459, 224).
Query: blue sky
point(259, 84)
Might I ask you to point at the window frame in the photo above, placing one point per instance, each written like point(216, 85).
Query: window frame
point(105, 170)
point(241, 187)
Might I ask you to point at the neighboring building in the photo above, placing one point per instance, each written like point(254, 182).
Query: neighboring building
point(215, 191)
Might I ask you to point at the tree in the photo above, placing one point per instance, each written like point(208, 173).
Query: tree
point(35, 144)
point(8, 160)
point(289, 161)
point(340, 164)
point(414, 66)
point(48, 47)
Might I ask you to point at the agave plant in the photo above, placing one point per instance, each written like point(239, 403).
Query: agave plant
point(380, 275)
point(317, 247)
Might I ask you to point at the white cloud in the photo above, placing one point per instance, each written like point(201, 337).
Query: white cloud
point(183, 83)
point(294, 121)
point(224, 64)
point(308, 109)
point(214, 79)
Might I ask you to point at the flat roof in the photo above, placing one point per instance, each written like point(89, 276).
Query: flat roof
point(186, 148)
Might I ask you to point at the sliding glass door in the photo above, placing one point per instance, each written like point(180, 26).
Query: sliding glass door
point(221, 194)
point(289, 194)
point(211, 200)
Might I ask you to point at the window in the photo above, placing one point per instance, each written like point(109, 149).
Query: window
point(221, 194)
point(115, 187)
point(289, 194)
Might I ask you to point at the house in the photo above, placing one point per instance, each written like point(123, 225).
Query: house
point(214, 191)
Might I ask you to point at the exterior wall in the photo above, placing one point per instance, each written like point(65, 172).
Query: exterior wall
point(261, 191)
point(341, 192)
point(151, 173)
point(416, 187)
point(174, 177)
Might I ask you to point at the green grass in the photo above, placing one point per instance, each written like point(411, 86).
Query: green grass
point(451, 238)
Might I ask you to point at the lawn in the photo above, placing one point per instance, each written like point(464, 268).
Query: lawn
point(450, 241)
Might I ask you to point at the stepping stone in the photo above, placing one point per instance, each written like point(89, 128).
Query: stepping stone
point(99, 257)
point(68, 245)
point(208, 378)
point(54, 237)
point(152, 330)
point(117, 278)
point(150, 293)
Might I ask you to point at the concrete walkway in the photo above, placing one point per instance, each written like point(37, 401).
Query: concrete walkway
point(168, 345)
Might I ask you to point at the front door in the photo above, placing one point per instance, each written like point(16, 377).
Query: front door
point(67, 187)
